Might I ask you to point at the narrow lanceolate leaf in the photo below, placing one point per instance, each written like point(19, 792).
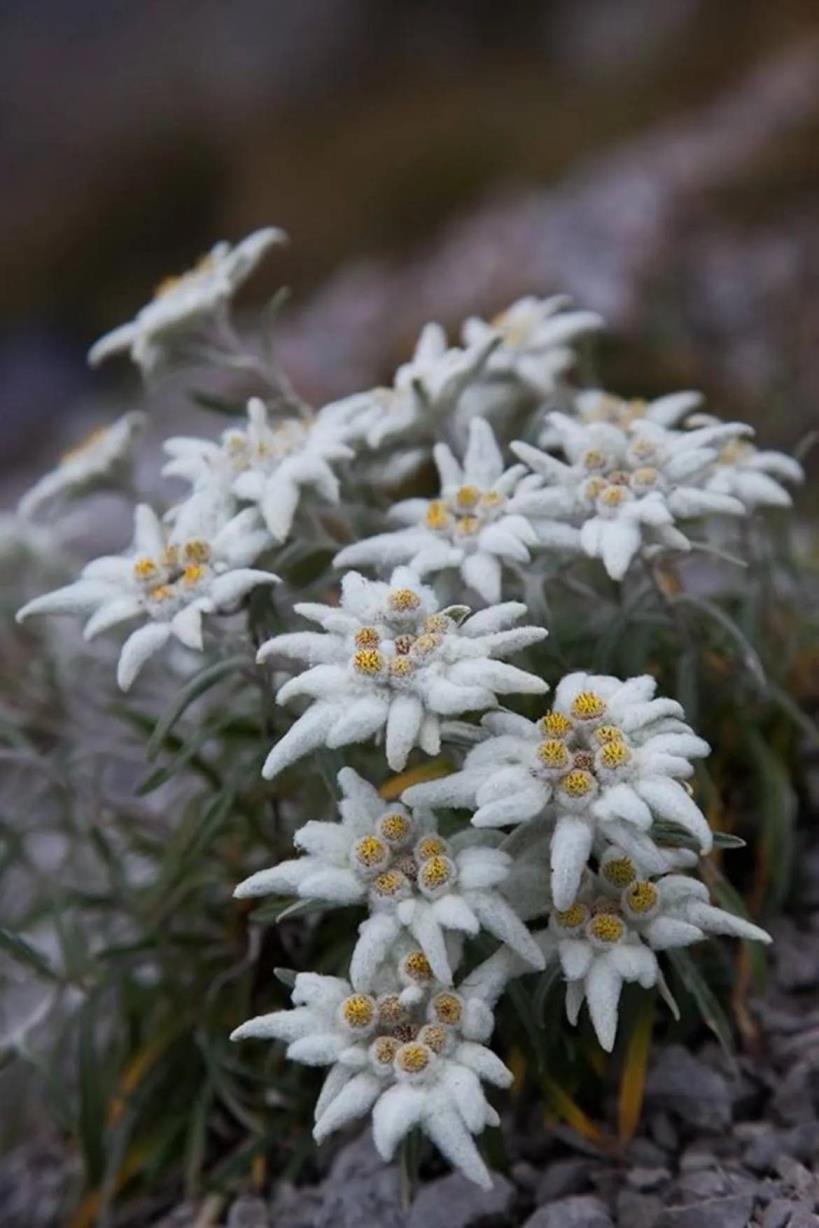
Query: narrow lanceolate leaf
point(196, 686)
point(21, 950)
point(561, 1103)
point(633, 1077)
point(710, 1010)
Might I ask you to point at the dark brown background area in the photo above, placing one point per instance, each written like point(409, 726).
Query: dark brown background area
point(656, 158)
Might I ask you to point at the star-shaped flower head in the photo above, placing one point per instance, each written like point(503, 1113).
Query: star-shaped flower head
point(609, 935)
point(389, 662)
point(754, 476)
point(606, 762)
point(168, 580)
point(475, 525)
point(628, 489)
point(103, 459)
point(183, 303)
point(594, 405)
point(423, 392)
point(418, 1064)
point(269, 462)
point(536, 338)
point(416, 883)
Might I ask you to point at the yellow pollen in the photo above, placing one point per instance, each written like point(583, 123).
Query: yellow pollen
point(573, 917)
point(403, 643)
point(197, 551)
point(467, 497)
point(435, 872)
point(614, 754)
point(491, 499)
point(434, 1036)
point(553, 753)
point(416, 966)
point(619, 871)
point(643, 449)
point(161, 593)
point(588, 706)
point(641, 896)
point(144, 568)
point(447, 1008)
point(594, 459)
point(413, 1057)
point(391, 1010)
point(389, 883)
point(368, 661)
point(384, 1049)
point(358, 1011)
point(367, 637)
point(437, 515)
point(403, 599)
point(467, 525)
point(193, 573)
point(608, 733)
point(170, 556)
point(607, 927)
point(430, 846)
point(577, 783)
point(426, 643)
point(646, 475)
point(593, 487)
point(555, 724)
point(612, 496)
point(401, 667)
point(436, 624)
point(235, 443)
point(394, 828)
point(369, 851)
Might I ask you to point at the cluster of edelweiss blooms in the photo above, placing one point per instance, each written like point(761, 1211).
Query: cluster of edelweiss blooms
point(592, 788)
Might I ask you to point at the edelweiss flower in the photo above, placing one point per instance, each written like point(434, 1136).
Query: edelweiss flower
point(474, 525)
point(627, 488)
point(606, 760)
point(184, 301)
point(753, 476)
point(536, 338)
point(418, 1065)
point(169, 579)
point(610, 933)
point(424, 389)
point(593, 405)
point(269, 463)
point(102, 459)
point(415, 882)
point(389, 660)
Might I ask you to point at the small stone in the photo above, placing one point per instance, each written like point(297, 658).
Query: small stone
point(777, 1213)
point(638, 1210)
point(454, 1202)
point(700, 1185)
point(803, 1217)
point(525, 1175)
point(648, 1178)
point(694, 1158)
point(360, 1189)
point(763, 1151)
point(248, 1211)
point(584, 1211)
point(664, 1132)
point(732, 1212)
point(563, 1177)
point(687, 1088)
point(642, 1151)
point(800, 1179)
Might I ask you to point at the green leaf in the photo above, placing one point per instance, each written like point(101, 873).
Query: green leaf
point(196, 686)
point(92, 1096)
point(747, 653)
point(217, 405)
point(712, 1013)
point(24, 953)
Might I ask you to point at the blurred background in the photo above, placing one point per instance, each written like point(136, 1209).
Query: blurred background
point(658, 161)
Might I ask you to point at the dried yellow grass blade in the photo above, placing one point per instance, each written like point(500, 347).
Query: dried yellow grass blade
point(633, 1078)
point(395, 786)
point(562, 1104)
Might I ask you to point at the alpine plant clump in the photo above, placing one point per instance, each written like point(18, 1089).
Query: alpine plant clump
point(390, 625)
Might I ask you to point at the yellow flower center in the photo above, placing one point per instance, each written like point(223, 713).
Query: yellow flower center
point(384, 1049)
point(368, 661)
point(588, 706)
point(437, 515)
point(403, 600)
point(367, 637)
point(433, 1036)
point(413, 1057)
point(467, 497)
point(641, 896)
point(161, 593)
point(646, 475)
point(447, 1008)
point(192, 574)
point(612, 496)
point(608, 733)
point(358, 1011)
point(492, 498)
point(416, 966)
point(401, 667)
point(553, 754)
point(619, 871)
point(144, 568)
point(370, 852)
point(434, 872)
point(436, 624)
point(577, 783)
point(430, 846)
point(594, 459)
point(389, 884)
point(606, 927)
point(394, 828)
point(614, 754)
point(555, 725)
point(572, 918)
point(467, 525)
point(197, 551)
point(594, 487)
